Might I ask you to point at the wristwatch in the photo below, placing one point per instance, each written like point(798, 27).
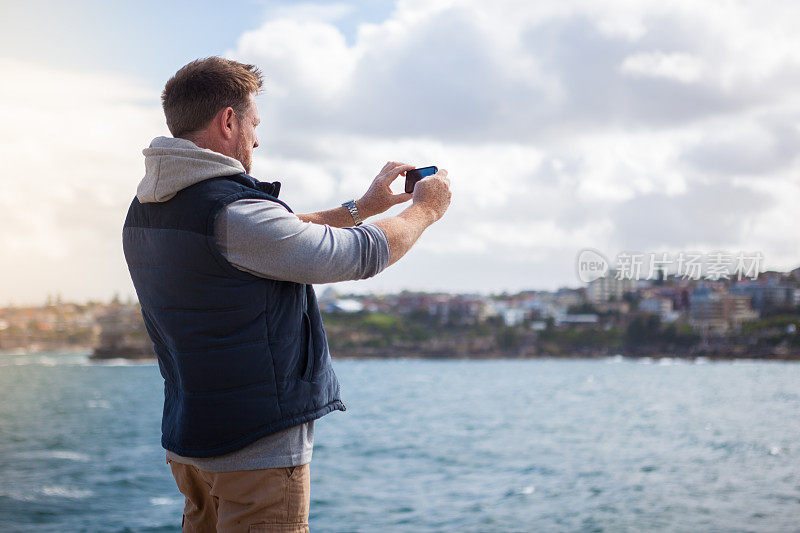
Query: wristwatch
point(351, 206)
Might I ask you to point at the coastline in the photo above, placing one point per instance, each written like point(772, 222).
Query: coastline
point(441, 355)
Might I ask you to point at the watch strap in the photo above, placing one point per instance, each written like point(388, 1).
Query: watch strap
point(351, 206)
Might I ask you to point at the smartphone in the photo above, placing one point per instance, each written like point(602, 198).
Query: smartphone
point(413, 176)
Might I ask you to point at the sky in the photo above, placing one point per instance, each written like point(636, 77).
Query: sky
point(615, 125)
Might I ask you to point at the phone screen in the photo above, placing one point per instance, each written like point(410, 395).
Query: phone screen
point(413, 176)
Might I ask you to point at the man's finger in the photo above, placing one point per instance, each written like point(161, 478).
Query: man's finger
point(396, 166)
point(402, 167)
point(391, 176)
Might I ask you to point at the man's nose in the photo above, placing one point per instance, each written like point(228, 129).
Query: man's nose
point(255, 141)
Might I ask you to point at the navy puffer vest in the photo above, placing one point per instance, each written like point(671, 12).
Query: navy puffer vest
point(241, 356)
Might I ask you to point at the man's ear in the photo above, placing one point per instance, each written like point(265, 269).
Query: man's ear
point(226, 121)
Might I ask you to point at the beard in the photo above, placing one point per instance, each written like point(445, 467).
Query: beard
point(243, 154)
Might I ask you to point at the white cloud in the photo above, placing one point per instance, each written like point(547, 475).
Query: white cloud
point(556, 120)
point(564, 124)
point(306, 59)
point(680, 67)
point(71, 163)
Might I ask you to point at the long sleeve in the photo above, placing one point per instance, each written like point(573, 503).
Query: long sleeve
point(263, 238)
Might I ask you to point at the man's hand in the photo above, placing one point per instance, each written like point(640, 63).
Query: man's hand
point(431, 200)
point(433, 192)
point(379, 196)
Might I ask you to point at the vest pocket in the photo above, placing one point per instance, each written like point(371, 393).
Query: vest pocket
point(307, 344)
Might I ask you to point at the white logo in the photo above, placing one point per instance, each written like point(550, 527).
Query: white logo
point(591, 265)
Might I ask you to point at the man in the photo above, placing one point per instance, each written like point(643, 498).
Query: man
point(223, 271)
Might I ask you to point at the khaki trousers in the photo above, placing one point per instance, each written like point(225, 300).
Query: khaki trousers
point(272, 499)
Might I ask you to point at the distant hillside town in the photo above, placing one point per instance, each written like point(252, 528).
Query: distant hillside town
point(671, 316)
point(115, 329)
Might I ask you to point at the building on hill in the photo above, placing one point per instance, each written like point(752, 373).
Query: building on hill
point(718, 312)
point(609, 288)
point(768, 294)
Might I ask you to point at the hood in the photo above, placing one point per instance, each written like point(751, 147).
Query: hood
point(172, 164)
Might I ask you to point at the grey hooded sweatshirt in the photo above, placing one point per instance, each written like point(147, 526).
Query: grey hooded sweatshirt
point(263, 238)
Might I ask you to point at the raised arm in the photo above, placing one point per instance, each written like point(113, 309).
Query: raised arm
point(263, 238)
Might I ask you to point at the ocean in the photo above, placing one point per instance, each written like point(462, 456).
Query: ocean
point(485, 446)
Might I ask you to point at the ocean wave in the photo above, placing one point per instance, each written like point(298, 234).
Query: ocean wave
point(166, 501)
point(98, 404)
point(121, 361)
point(68, 360)
point(64, 491)
point(44, 360)
point(67, 455)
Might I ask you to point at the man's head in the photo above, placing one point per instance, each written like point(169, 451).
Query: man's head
point(212, 103)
